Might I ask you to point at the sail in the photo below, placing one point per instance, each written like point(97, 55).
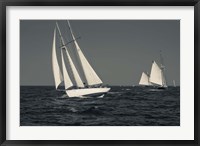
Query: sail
point(144, 80)
point(174, 83)
point(67, 81)
point(156, 76)
point(77, 80)
point(56, 69)
point(89, 73)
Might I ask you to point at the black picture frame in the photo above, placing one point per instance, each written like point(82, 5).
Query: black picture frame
point(5, 3)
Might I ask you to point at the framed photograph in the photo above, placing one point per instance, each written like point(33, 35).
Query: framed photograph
point(103, 72)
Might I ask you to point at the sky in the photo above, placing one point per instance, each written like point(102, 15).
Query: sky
point(118, 50)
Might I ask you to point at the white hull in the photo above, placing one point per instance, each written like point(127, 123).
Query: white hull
point(86, 92)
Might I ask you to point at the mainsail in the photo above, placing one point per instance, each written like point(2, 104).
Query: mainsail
point(56, 69)
point(144, 80)
point(90, 75)
point(156, 76)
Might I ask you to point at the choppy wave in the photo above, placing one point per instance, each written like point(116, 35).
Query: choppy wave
point(122, 106)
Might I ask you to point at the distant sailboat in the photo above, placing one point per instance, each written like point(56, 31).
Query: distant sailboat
point(144, 80)
point(157, 76)
point(75, 86)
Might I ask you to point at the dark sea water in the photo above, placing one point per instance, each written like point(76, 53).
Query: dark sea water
point(122, 106)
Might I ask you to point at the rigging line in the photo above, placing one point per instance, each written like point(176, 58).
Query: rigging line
point(68, 43)
point(62, 40)
point(73, 40)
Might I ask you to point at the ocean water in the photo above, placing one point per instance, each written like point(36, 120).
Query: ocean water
point(122, 106)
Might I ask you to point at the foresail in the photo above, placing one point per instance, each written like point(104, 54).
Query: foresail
point(77, 80)
point(56, 69)
point(89, 73)
point(144, 80)
point(156, 74)
point(67, 81)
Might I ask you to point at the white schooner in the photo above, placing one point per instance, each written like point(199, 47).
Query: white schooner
point(156, 78)
point(89, 84)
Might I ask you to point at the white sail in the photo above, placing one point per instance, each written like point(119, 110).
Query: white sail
point(156, 76)
point(89, 73)
point(56, 69)
point(77, 80)
point(144, 80)
point(67, 81)
point(174, 83)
